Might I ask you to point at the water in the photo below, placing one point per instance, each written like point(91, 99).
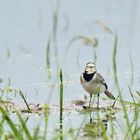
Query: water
point(24, 31)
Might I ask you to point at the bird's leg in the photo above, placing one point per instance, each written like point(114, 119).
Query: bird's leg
point(90, 99)
point(98, 101)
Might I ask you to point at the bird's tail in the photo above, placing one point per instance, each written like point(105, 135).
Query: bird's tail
point(109, 94)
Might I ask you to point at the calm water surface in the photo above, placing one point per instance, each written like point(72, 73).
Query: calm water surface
point(25, 27)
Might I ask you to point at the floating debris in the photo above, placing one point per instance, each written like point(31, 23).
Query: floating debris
point(89, 41)
point(78, 102)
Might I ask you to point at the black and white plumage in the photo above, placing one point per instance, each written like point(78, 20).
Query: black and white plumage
point(93, 82)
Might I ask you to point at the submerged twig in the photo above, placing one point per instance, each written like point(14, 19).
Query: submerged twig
point(21, 94)
point(115, 101)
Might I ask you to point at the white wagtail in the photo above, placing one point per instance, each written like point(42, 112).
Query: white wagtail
point(93, 82)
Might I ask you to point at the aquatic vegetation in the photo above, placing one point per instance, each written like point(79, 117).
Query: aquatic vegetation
point(57, 108)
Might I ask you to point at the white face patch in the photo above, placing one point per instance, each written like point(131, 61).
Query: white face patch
point(90, 68)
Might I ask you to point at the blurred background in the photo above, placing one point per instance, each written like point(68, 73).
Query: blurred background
point(38, 37)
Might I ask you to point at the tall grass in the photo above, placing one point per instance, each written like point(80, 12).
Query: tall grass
point(132, 70)
point(55, 26)
point(24, 126)
point(117, 84)
point(11, 125)
point(22, 132)
point(46, 125)
point(48, 58)
point(61, 94)
point(61, 105)
point(55, 20)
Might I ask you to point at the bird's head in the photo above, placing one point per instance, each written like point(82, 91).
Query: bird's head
point(90, 68)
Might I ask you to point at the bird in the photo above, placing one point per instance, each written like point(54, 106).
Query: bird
point(94, 83)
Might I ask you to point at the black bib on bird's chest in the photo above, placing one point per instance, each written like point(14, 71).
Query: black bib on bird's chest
point(88, 77)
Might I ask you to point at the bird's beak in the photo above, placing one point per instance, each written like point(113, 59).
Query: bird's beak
point(86, 69)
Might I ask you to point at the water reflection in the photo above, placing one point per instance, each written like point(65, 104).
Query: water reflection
point(96, 127)
point(61, 128)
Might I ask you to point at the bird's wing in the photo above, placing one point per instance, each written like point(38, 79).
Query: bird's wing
point(101, 79)
point(81, 78)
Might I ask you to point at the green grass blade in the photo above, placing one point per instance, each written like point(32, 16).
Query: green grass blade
point(55, 26)
point(130, 103)
point(48, 58)
point(130, 91)
point(1, 127)
point(12, 125)
point(24, 126)
point(132, 70)
point(46, 125)
point(36, 133)
point(117, 83)
point(61, 94)
point(61, 104)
